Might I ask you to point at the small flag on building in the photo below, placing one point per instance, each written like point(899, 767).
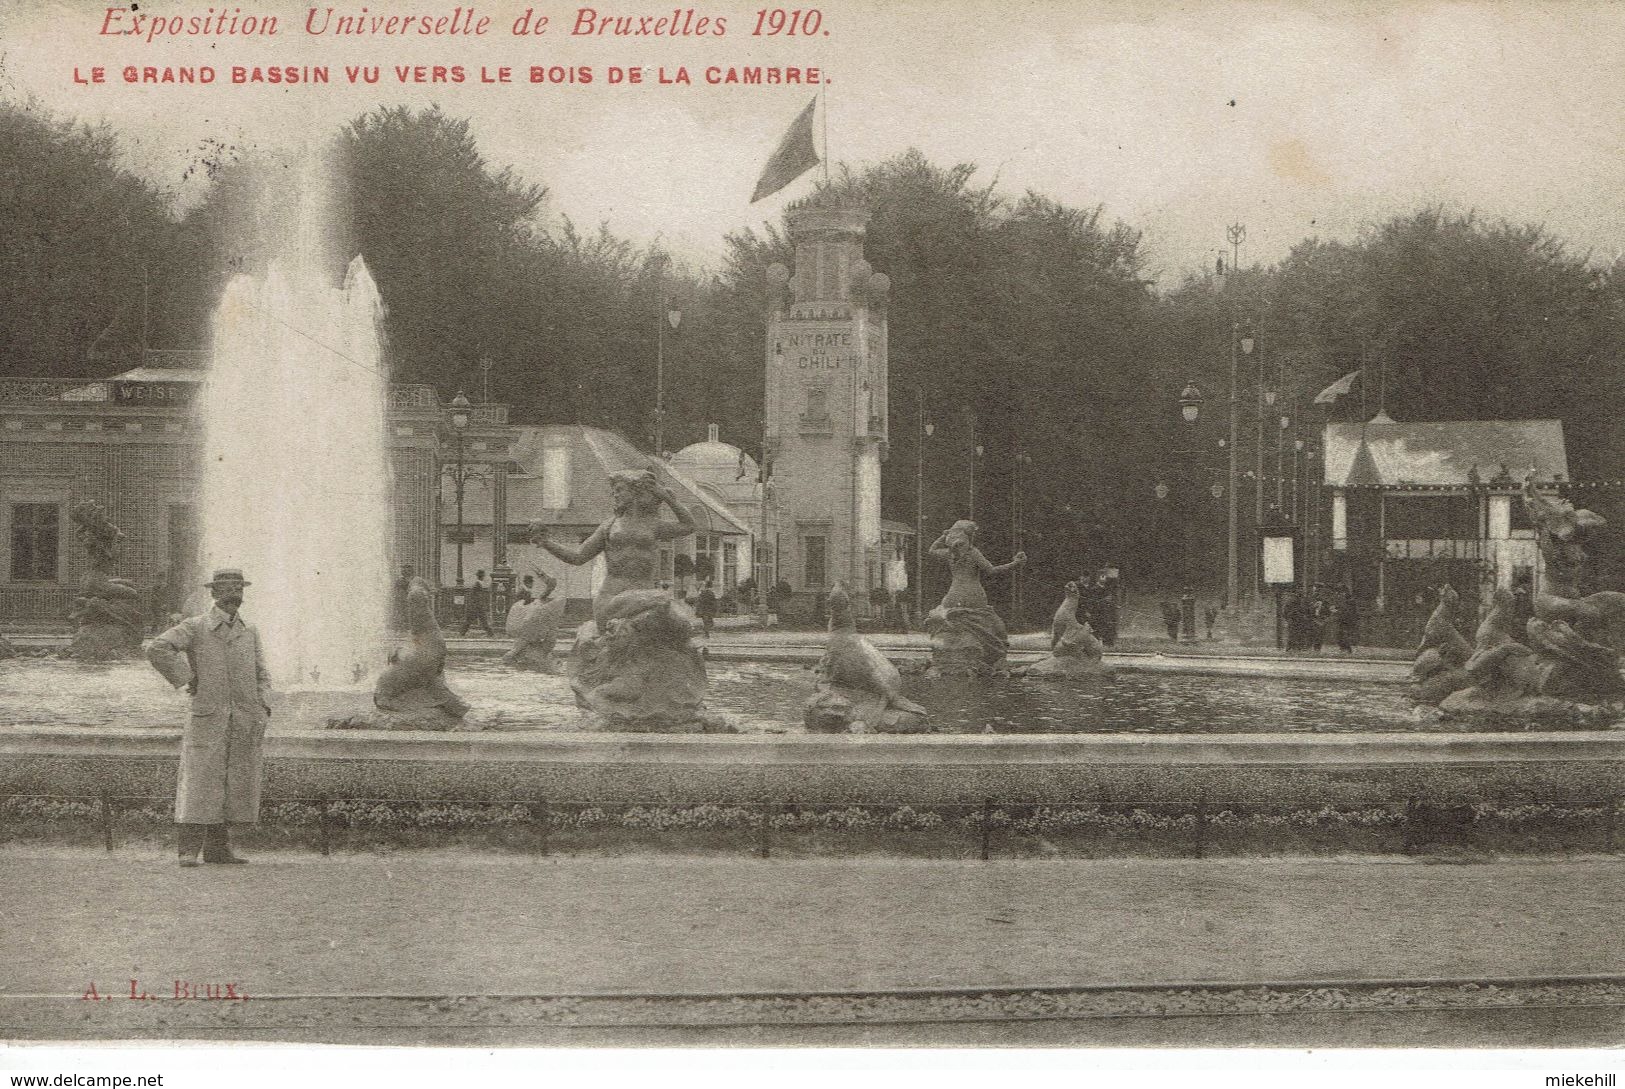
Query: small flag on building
point(794, 156)
point(1331, 393)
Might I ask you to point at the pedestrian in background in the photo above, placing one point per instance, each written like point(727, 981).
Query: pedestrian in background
point(1348, 622)
point(1107, 627)
point(1170, 619)
point(1322, 619)
point(477, 608)
point(397, 599)
point(706, 607)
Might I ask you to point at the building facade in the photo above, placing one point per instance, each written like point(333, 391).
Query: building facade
point(558, 475)
point(131, 444)
point(1415, 505)
point(733, 478)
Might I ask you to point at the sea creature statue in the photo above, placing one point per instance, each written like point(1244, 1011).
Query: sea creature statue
point(534, 626)
point(107, 615)
point(1567, 657)
point(967, 636)
point(633, 664)
point(859, 690)
point(1075, 651)
point(1442, 654)
point(411, 693)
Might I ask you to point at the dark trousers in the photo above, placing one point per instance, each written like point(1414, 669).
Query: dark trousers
point(477, 612)
point(211, 839)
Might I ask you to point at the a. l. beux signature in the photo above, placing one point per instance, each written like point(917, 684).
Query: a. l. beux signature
point(177, 990)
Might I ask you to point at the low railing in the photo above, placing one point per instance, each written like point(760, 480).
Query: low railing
point(36, 602)
point(44, 391)
point(35, 391)
point(986, 829)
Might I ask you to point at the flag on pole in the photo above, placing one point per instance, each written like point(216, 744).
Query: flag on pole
point(794, 156)
point(1331, 393)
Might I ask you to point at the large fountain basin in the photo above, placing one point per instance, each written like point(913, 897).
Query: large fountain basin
point(767, 698)
point(560, 767)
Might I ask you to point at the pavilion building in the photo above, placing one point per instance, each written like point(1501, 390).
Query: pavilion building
point(1414, 505)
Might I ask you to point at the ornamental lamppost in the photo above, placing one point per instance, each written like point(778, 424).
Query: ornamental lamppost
point(1190, 403)
point(976, 456)
point(460, 416)
point(1267, 395)
point(1239, 346)
point(926, 428)
point(664, 316)
point(1190, 410)
point(1017, 528)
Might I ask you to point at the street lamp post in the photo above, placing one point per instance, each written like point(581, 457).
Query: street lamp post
point(663, 316)
point(459, 427)
point(919, 494)
point(976, 455)
point(1190, 410)
point(1236, 234)
point(1018, 530)
point(1266, 400)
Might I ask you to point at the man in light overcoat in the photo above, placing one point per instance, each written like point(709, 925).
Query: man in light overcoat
point(217, 658)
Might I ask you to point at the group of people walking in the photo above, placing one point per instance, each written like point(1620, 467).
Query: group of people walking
point(1320, 618)
point(1099, 605)
point(475, 608)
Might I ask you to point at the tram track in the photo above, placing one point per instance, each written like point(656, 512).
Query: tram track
point(1232, 1000)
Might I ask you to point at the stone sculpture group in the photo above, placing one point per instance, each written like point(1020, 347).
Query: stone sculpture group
point(1074, 649)
point(411, 693)
point(534, 626)
point(107, 615)
point(967, 637)
point(859, 689)
point(634, 664)
point(1562, 660)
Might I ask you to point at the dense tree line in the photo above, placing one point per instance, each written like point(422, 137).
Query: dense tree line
point(1017, 323)
point(79, 232)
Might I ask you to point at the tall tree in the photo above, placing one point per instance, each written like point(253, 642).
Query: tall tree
point(80, 232)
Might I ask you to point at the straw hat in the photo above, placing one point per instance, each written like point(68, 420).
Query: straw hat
point(228, 576)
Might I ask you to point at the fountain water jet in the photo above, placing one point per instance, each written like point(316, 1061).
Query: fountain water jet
point(295, 480)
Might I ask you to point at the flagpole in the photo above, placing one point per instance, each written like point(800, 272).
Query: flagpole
point(823, 93)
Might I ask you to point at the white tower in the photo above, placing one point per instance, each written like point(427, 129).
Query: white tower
point(826, 403)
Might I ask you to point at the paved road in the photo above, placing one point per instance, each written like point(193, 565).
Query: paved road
point(451, 923)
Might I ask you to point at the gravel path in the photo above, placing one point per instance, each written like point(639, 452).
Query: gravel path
point(443, 923)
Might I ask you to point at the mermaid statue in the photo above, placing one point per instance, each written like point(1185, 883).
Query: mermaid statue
point(632, 663)
point(967, 636)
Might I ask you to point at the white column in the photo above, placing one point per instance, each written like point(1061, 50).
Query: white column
point(1340, 520)
point(1500, 517)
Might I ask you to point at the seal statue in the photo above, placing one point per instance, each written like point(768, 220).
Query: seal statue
point(1075, 650)
point(533, 626)
point(414, 684)
point(859, 690)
